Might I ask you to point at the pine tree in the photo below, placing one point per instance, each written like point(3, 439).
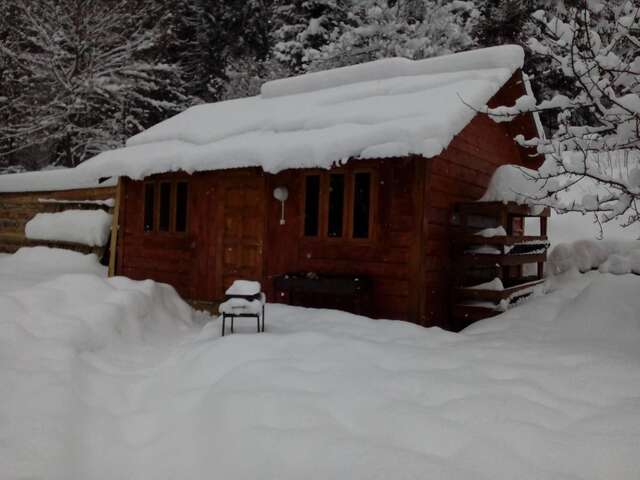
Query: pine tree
point(505, 21)
point(303, 27)
point(414, 29)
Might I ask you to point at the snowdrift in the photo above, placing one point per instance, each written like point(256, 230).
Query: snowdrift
point(617, 257)
point(104, 378)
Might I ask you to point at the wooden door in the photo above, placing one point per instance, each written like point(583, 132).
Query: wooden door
point(243, 226)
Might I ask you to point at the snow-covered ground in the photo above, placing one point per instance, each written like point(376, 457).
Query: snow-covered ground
point(113, 379)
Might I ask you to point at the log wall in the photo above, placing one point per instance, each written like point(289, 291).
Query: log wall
point(16, 209)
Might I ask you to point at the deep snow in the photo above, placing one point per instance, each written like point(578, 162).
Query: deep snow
point(113, 379)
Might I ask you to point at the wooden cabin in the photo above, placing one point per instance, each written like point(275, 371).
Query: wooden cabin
point(370, 235)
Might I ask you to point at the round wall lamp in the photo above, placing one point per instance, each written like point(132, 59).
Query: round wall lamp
point(281, 194)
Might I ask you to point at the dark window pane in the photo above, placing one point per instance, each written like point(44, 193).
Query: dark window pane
point(149, 206)
point(336, 205)
point(361, 205)
point(312, 206)
point(181, 207)
point(165, 207)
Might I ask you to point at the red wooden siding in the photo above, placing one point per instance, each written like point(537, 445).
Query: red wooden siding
point(384, 257)
point(223, 241)
point(461, 174)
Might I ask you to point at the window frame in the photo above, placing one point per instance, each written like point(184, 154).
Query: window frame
point(173, 200)
point(348, 207)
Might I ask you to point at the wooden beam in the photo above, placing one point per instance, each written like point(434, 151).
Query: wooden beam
point(470, 239)
point(493, 209)
point(482, 259)
point(115, 227)
point(497, 295)
point(417, 280)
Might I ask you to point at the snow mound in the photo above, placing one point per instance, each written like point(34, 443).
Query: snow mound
point(387, 108)
point(609, 256)
point(49, 260)
point(50, 332)
point(87, 227)
point(103, 379)
point(512, 183)
point(593, 313)
point(87, 312)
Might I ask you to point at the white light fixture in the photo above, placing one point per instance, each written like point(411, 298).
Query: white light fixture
point(281, 194)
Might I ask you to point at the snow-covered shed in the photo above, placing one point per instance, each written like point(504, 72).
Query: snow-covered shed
point(348, 174)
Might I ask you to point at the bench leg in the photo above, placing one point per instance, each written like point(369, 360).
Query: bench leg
point(258, 323)
point(224, 317)
point(232, 318)
point(263, 318)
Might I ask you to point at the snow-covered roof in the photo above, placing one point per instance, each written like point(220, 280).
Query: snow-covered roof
point(50, 180)
point(386, 108)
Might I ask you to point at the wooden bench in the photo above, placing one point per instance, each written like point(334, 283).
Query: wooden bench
point(352, 293)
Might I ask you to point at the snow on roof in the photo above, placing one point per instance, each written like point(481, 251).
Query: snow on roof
point(514, 183)
point(385, 108)
point(50, 180)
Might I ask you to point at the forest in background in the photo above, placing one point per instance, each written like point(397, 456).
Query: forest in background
point(78, 77)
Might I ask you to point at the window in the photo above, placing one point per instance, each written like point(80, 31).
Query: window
point(181, 207)
point(312, 206)
point(165, 206)
point(149, 206)
point(361, 204)
point(338, 205)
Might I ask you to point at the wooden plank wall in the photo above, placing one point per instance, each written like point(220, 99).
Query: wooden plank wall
point(16, 209)
point(197, 264)
point(167, 258)
point(216, 248)
point(386, 258)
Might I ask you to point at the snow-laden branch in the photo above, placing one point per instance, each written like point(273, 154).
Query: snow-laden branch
point(597, 141)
